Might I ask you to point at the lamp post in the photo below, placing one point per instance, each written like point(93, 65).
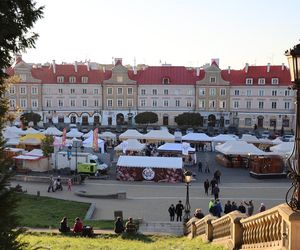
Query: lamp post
point(76, 145)
point(187, 208)
point(293, 161)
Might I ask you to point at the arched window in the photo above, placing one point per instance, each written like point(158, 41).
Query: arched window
point(166, 80)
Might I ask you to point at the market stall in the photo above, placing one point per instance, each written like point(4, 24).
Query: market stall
point(200, 140)
point(131, 134)
point(158, 169)
point(158, 136)
point(130, 146)
point(32, 161)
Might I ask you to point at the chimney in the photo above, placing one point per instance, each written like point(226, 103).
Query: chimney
point(134, 70)
point(282, 66)
point(75, 66)
point(228, 69)
point(88, 66)
point(197, 71)
point(246, 67)
point(268, 67)
point(103, 69)
point(54, 66)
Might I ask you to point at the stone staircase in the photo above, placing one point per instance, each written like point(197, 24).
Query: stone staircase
point(161, 227)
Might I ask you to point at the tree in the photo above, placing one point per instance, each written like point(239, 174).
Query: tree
point(189, 119)
point(16, 20)
point(26, 118)
point(146, 118)
point(47, 147)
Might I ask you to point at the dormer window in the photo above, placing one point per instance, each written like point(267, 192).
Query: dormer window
point(72, 79)
point(249, 81)
point(275, 81)
point(84, 79)
point(119, 78)
point(261, 81)
point(166, 80)
point(60, 79)
point(212, 80)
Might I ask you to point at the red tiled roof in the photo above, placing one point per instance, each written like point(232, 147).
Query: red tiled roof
point(176, 74)
point(238, 77)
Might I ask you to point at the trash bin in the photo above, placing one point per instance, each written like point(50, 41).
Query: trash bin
point(118, 214)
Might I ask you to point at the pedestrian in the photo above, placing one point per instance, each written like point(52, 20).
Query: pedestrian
point(69, 184)
point(51, 184)
point(119, 226)
point(227, 207)
point(233, 206)
point(217, 176)
point(213, 183)
point(262, 207)
point(200, 166)
point(206, 170)
point(178, 210)
point(198, 213)
point(250, 207)
point(216, 191)
point(172, 212)
point(206, 186)
point(218, 208)
point(242, 208)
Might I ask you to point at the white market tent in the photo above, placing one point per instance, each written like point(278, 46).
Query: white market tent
point(107, 135)
point(87, 135)
point(52, 131)
point(249, 138)
point(35, 152)
point(131, 134)
point(13, 142)
point(266, 141)
point(200, 137)
point(30, 131)
point(175, 147)
point(239, 148)
point(74, 133)
point(130, 145)
point(223, 138)
point(88, 143)
point(150, 162)
point(277, 141)
point(283, 148)
point(159, 135)
point(12, 132)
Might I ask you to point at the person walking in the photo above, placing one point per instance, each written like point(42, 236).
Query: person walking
point(178, 210)
point(200, 166)
point(213, 183)
point(216, 191)
point(51, 184)
point(69, 184)
point(206, 186)
point(206, 170)
point(250, 207)
point(172, 212)
point(242, 208)
point(217, 176)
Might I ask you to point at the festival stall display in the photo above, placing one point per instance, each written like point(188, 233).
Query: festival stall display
point(52, 131)
point(29, 131)
point(109, 138)
point(31, 141)
point(32, 161)
point(222, 138)
point(131, 147)
point(283, 149)
point(144, 168)
point(74, 133)
point(158, 136)
point(131, 134)
point(200, 140)
point(266, 167)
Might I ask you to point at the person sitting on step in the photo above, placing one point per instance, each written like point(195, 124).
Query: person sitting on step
point(130, 227)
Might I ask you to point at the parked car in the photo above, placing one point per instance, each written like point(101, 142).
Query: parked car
point(288, 137)
point(265, 134)
point(189, 130)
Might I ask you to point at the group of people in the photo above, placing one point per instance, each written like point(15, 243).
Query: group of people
point(176, 210)
point(56, 184)
point(78, 227)
point(130, 226)
point(213, 184)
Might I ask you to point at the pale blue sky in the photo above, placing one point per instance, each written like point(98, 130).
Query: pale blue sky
point(179, 32)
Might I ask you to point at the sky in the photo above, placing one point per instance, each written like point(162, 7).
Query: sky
point(177, 32)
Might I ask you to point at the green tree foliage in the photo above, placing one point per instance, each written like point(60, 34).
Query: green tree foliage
point(146, 118)
point(16, 20)
point(47, 145)
point(30, 117)
point(190, 119)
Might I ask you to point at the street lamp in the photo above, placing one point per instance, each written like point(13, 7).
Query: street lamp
point(293, 161)
point(187, 208)
point(76, 145)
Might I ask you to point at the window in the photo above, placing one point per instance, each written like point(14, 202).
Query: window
point(222, 104)
point(287, 92)
point(120, 91)
point(109, 103)
point(119, 78)
point(84, 79)
point(287, 105)
point(109, 91)
point(249, 92)
point(129, 102)
point(212, 104)
point(72, 79)
point(166, 103)
point(60, 103)
point(12, 103)
point(84, 103)
point(261, 81)
point(84, 91)
point(72, 103)
point(120, 103)
point(143, 103)
point(189, 103)
point(212, 91)
point(201, 92)
point(72, 91)
point(260, 104)
point(201, 104)
point(248, 104)
point(60, 91)
point(23, 90)
point(275, 81)
point(249, 81)
point(34, 90)
point(236, 92)
point(166, 80)
point(274, 92)
point(23, 103)
point(273, 105)
point(34, 103)
point(189, 92)
point(23, 77)
point(236, 104)
point(48, 103)
point(143, 92)
point(154, 91)
point(212, 80)
point(96, 103)
point(177, 103)
point(96, 91)
point(166, 91)
point(60, 79)
point(12, 90)
point(248, 122)
point(129, 91)
point(222, 92)
point(154, 103)
point(261, 92)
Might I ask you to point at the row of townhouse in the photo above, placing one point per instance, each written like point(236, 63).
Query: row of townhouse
point(88, 94)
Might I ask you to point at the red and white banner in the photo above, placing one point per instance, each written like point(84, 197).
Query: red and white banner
point(64, 137)
point(95, 139)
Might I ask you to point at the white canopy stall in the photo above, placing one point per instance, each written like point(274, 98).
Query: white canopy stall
point(132, 145)
point(74, 133)
point(32, 161)
point(89, 143)
point(52, 131)
point(250, 139)
point(131, 134)
point(283, 149)
point(159, 136)
point(29, 131)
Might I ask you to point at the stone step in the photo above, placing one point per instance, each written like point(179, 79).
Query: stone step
point(173, 228)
